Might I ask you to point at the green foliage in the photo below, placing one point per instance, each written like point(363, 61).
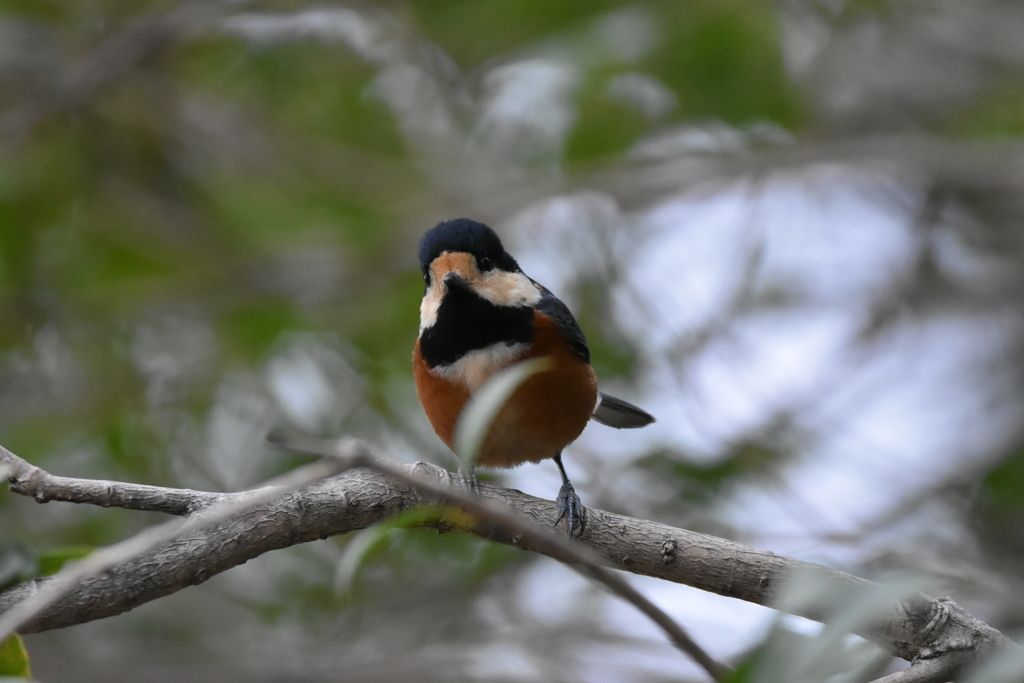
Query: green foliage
point(309, 88)
point(699, 482)
point(457, 562)
point(722, 60)
point(605, 128)
point(131, 442)
point(14, 658)
point(364, 547)
point(251, 328)
point(379, 328)
point(997, 115)
point(19, 562)
point(1001, 504)
point(51, 561)
point(270, 213)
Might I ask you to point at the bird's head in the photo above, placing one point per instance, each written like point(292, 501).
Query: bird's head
point(464, 256)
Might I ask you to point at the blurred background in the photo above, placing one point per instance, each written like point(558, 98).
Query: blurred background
point(792, 231)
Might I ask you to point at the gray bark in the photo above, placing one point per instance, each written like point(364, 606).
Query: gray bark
point(921, 629)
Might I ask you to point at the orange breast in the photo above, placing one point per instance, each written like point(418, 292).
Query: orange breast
point(544, 415)
point(442, 400)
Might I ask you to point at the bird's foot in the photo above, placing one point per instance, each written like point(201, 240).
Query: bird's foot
point(570, 507)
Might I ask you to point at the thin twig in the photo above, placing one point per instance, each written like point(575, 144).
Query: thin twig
point(28, 480)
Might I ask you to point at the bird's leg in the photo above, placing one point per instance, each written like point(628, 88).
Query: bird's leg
point(467, 475)
point(569, 505)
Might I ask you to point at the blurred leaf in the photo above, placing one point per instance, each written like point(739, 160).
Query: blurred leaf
point(455, 561)
point(363, 546)
point(50, 561)
point(832, 653)
point(744, 671)
point(483, 406)
point(847, 613)
point(788, 656)
point(14, 658)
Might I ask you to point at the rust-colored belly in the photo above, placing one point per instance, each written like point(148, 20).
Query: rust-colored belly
point(544, 415)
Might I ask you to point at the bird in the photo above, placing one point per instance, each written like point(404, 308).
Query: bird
point(481, 313)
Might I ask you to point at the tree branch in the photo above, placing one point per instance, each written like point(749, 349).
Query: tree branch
point(938, 670)
point(920, 630)
point(99, 561)
point(28, 480)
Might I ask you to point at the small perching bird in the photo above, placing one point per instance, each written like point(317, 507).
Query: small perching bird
point(480, 314)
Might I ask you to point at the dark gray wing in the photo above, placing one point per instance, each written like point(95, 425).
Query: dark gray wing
point(610, 411)
point(551, 306)
point(620, 414)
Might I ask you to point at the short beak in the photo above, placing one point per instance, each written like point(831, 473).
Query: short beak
point(454, 279)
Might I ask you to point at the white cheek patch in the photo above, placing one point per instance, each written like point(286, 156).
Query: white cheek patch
point(476, 367)
point(428, 307)
point(507, 289)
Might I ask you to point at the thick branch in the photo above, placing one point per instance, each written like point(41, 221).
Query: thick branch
point(923, 628)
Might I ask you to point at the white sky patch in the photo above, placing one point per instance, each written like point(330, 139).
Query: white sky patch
point(552, 592)
point(301, 389)
point(526, 110)
point(840, 237)
point(890, 418)
point(894, 418)
point(645, 93)
point(724, 627)
point(682, 263)
point(502, 661)
point(559, 240)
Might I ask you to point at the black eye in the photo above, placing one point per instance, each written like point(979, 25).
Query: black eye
point(485, 264)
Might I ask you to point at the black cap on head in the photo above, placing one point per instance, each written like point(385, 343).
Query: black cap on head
point(464, 235)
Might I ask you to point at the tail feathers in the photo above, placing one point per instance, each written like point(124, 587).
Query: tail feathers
point(620, 414)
